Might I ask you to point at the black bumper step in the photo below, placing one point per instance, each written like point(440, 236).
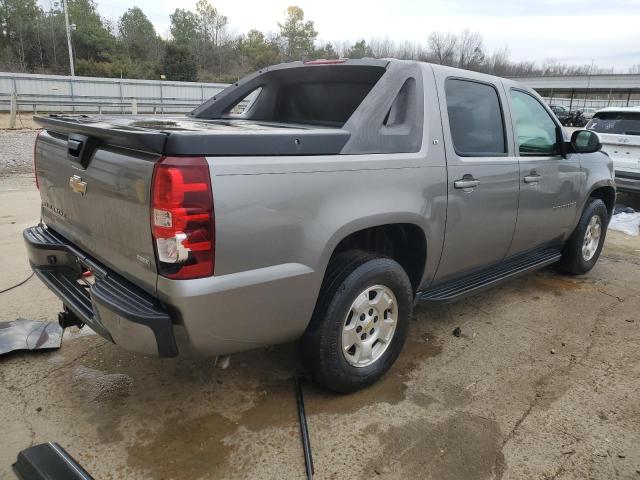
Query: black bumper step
point(468, 285)
point(41, 237)
point(109, 291)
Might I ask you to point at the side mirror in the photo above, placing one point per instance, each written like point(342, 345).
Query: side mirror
point(585, 141)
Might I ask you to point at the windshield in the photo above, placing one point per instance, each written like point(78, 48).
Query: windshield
point(618, 123)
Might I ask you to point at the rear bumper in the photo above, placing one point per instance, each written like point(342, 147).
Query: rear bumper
point(113, 307)
point(628, 181)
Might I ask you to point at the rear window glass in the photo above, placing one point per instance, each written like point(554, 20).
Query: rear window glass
point(475, 118)
point(323, 103)
point(619, 123)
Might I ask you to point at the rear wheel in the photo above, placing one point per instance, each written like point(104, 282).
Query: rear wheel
point(360, 323)
point(582, 250)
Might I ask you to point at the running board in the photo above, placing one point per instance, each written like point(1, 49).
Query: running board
point(468, 285)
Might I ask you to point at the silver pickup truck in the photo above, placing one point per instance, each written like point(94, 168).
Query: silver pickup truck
point(317, 201)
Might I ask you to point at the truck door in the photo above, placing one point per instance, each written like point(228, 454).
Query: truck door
point(482, 173)
point(549, 183)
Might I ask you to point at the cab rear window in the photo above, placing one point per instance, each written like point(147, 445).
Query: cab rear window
point(320, 103)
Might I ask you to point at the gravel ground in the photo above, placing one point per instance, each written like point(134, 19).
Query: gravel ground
point(543, 383)
point(16, 151)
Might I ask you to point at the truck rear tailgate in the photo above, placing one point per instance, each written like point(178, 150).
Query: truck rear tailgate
point(95, 174)
point(101, 204)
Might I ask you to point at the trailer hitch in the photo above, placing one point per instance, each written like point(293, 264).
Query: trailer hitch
point(66, 319)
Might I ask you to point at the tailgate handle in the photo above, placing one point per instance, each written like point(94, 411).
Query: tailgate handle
point(80, 148)
point(74, 147)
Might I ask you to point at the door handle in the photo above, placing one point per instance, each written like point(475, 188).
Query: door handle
point(466, 182)
point(532, 178)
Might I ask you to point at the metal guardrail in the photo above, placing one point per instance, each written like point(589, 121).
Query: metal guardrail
point(18, 105)
point(133, 106)
point(167, 106)
point(36, 93)
point(582, 102)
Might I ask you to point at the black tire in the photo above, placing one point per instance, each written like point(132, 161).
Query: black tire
point(573, 261)
point(347, 276)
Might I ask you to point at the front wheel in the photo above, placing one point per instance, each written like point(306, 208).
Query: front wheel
point(583, 248)
point(360, 323)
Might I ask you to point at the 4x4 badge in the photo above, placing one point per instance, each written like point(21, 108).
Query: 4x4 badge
point(77, 185)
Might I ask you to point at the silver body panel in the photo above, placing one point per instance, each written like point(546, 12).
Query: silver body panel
point(480, 221)
point(278, 220)
point(551, 202)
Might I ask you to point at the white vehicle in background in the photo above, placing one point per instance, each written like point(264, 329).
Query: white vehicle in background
point(589, 112)
point(619, 132)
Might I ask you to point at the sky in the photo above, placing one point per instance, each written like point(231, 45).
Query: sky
point(570, 31)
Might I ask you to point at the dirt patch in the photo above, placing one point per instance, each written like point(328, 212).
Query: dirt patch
point(462, 447)
point(552, 386)
point(184, 448)
point(549, 281)
point(208, 447)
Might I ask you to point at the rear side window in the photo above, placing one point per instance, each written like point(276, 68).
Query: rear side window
point(475, 118)
point(617, 123)
point(537, 132)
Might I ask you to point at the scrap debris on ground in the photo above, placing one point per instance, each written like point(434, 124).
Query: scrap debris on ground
point(24, 334)
point(626, 220)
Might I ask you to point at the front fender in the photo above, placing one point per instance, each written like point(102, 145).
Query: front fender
point(598, 173)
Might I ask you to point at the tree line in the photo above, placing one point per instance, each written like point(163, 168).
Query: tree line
point(202, 45)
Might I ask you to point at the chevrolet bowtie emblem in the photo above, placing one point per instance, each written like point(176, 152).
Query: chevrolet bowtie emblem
point(77, 185)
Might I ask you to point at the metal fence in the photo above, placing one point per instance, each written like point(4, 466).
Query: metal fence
point(29, 93)
point(55, 93)
point(586, 102)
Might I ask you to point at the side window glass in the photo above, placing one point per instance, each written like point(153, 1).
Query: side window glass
point(475, 118)
point(243, 105)
point(536, 131)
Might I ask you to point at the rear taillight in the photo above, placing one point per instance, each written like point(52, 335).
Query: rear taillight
point(35, 165)
point(182, 218)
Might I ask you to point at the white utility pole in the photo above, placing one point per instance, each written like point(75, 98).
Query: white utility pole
point(68, 28)
point(588, 84)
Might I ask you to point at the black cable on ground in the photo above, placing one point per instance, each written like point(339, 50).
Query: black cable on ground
point(18, 284)
point(304, 430)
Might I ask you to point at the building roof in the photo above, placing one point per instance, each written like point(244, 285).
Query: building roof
point(582, 82)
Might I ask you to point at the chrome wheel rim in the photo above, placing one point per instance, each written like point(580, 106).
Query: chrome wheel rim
point(369, 326)
point(591, 238)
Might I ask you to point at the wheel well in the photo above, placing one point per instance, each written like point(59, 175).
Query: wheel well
point(607, 195)
point(403, 242)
